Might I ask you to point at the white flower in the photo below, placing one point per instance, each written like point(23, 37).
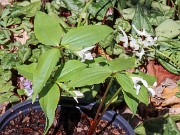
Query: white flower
point(151, 92)
point(124, 38)
point(133, 43)
point(155, 84)
point(140, 54)
point(137, 86)
point(149, 41)
point(141, 33)
point(85, 54)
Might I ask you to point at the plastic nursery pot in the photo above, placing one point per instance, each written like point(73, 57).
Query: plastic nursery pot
point(67, 103)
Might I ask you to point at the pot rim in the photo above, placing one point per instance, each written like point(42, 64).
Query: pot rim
point(27, 105)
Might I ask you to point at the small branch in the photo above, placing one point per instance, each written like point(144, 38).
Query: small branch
point(94, 124)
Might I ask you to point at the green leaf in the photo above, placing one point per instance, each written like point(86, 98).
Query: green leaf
point(121, 64)
point(85, 36)
point(130, 101)
point(90, 76)
point(5, 86)
point(163, 125)
point(71, 69)
point(45, 66)
point(49, 98)
point(27, 70)
point(47, 29)
point(74, 5)
point(143, 95)
point(66, 89)
point(166, 31)
point(149, 78)
point(8, 97)
point(170, 67)
point(6, 75)
point(142, 23)
point(178, 94)
point(31, 9)
point(24, 53)
point(99, 8)
point(9, 60)
point(128, 86)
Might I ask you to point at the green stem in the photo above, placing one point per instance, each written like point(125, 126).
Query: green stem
point(104, 110)
point(62, 54)
point(108, 104)
point(94, 124)
point(84, 9)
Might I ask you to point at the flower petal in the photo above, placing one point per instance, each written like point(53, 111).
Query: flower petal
point(141, 33)
point(151, 92)
point(125, 38)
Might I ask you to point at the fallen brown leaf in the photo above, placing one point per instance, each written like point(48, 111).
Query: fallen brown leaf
point(168, 93)
point(154, 68)
point(173, 102)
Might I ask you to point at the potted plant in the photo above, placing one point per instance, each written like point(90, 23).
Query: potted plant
point(70, 51)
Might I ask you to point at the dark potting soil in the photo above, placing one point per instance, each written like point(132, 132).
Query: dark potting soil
point(71, 122)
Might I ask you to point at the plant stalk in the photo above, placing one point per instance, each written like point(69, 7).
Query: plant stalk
point(108, 104)
point(94, 124)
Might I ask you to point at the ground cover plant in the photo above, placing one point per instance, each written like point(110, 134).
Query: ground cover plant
point(97, 49)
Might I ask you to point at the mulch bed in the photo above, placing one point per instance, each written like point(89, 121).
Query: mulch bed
point(71, 122)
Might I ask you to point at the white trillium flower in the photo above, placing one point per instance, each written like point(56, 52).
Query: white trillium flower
point(141, 33)
point(140, 54)
point(133, 44)
point(85, 54)
point(151, 92)
point(136, 80)
point(124, 38)
point(149, 41)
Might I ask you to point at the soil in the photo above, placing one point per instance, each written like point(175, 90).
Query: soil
point(68, 121)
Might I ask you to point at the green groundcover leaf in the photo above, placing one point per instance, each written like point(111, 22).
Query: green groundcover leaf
point(45, 66)
point(47, 29)
point(31, 9)
point(27, 70)
point(85, 36)
point(8, 97)
point(71, 69)
point(49, 98)
point(90, 76)
point(164, 125)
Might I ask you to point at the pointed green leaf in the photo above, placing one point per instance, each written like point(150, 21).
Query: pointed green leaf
point(128, 87)
point(130, 101)
point(49, 98)
point(47, 29)
point(90, 76)
point(121, 64)
point(141, 22)
point(149, 78)
point(85, 36)
point(71, 69)
point(45, 66)
point(27, 70)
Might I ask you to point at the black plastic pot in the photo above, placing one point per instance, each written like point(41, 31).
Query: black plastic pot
point(24, 107)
